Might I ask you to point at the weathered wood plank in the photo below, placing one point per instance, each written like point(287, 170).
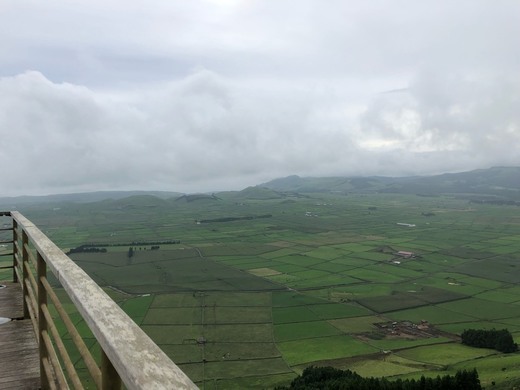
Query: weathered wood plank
point(11, 300)
point(20, 366)
point(25, 384)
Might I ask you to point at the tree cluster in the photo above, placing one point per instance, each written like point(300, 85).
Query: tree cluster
point(501, 340)
point(86, 249)
point(329, 378)
point(500, 202)
point(231, 219)
point(101, 246)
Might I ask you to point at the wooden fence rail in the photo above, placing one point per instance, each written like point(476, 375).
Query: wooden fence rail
point(128, 355)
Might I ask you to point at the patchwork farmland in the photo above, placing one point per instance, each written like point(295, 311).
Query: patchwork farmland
point(245, 302)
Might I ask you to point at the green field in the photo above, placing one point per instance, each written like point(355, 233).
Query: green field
point(248, 303)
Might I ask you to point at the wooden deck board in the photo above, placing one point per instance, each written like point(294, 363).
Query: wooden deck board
point(11, 300)
point(20, 367)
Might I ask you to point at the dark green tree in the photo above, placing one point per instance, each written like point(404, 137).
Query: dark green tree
point(328, 378)
point(501, 340)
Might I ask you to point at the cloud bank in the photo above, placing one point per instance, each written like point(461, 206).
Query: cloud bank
point(236, 93)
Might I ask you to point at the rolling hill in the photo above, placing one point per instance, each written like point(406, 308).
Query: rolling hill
point(497, 182)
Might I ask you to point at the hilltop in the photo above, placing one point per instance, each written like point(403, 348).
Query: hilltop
point(498, 184)
point(503, 182)
point(84, 197)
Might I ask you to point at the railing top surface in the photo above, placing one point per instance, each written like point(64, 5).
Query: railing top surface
point(140, 363)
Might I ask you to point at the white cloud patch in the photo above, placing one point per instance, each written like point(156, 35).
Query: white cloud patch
point(473, 120)
point(210, 95)
point(183, 135)
point(198, 132)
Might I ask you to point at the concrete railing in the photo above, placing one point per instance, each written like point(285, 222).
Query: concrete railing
point(128, 355)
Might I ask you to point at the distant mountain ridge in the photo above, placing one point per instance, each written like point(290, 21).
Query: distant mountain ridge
point(84, 197)
point(497, 181)
point(502, 183)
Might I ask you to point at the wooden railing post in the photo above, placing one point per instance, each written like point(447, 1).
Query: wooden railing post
point(15, 253)
point(25, 266)
point(110, 379)
point(42, 323)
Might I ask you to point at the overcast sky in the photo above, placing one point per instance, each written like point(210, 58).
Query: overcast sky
point(212, 95)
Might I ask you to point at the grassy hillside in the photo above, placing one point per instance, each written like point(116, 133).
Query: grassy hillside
point(501, 182)
point(85, 197)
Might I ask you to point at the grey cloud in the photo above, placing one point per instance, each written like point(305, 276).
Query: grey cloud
point(188, 131)
point(101, 42)
point(206, 129)
point(465, 121)
point(208, 95)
